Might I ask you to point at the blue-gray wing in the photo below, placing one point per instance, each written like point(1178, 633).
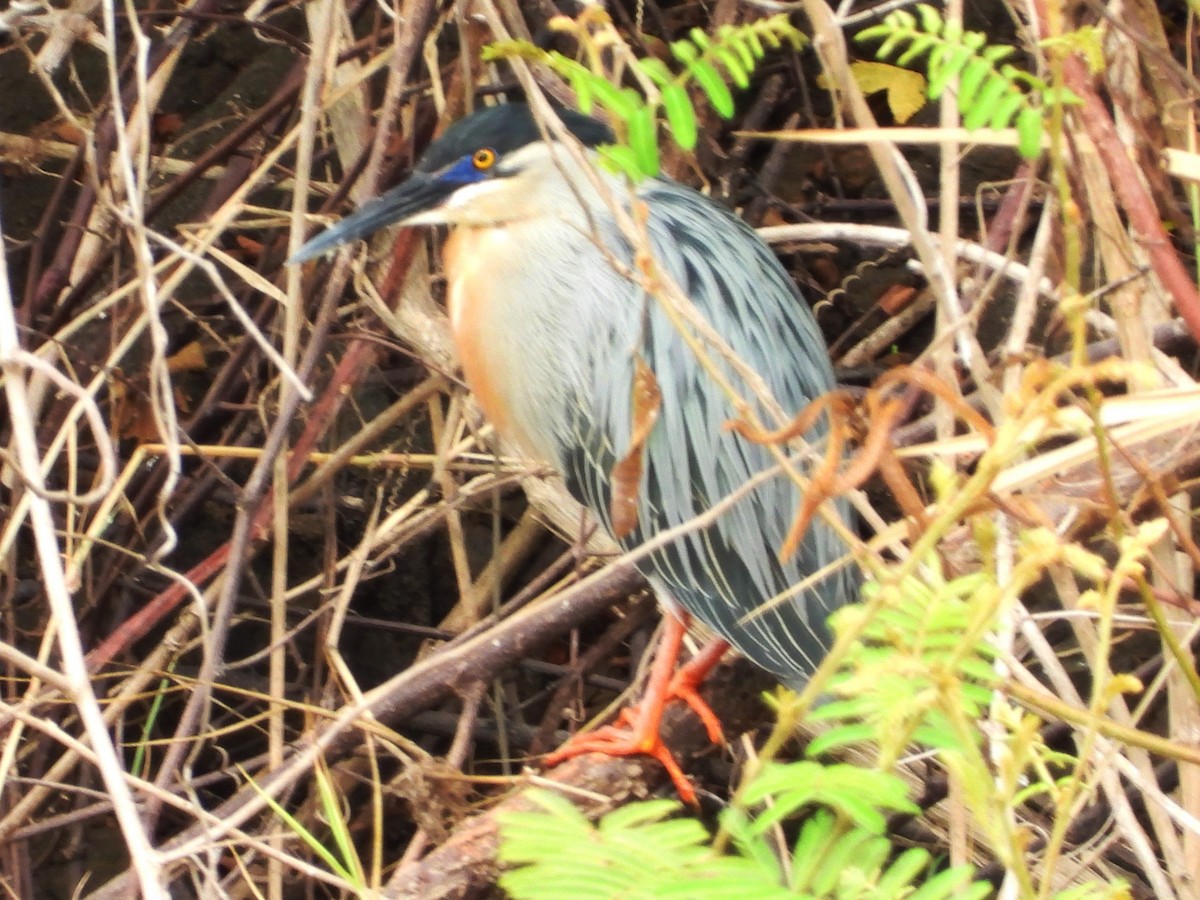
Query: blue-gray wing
point(724, 573)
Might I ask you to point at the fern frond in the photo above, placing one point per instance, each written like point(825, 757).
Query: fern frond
point(711, 63)
point(991, 92)
point(642, 851)
point(638, 851)
point(831, 859)
point(861, 796)
point(924, 653)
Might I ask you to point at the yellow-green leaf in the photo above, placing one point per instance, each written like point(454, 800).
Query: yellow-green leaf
point(714, 86)
point(680, 115)
point(905, 88)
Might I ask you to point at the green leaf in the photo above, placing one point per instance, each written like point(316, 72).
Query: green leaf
point(944, 63)
point(737, 73)
point(584, 95)
point(888, 47)
point(840, 856)
point(808, 854)
point(797, 39)
point(902, 873)
point(643, 141)
point(931, 19)
point(843, 736)
point(685, 52)
point(620, 159)
point(622, 103)
point(989, 96)
point(873, 33)
point(746, 55)
point(862, 813)
point(681, 117)
point(756, 46)
point(750, 844)
point(974, 40)
point(1029, 133)
point(995, 53)
point(973, 75)
point(634, 814)
point(921, 43)
point(953, 883)
point(656, 70)
point(714, 88)
point(332, 809)
point(1060, 96)
point(297, 828)
point(855, 793)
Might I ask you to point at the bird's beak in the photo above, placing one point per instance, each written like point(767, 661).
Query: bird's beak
point(402, 204)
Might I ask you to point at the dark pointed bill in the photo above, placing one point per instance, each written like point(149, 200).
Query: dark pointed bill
point(418, 194)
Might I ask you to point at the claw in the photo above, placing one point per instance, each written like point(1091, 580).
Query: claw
point(637, 729)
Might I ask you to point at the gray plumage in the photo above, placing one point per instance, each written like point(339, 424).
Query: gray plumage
point(580, 396)
point(556, 342)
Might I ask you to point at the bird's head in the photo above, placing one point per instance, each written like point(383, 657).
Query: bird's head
point(486, 169)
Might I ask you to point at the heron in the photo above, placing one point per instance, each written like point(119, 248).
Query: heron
point(551, 321)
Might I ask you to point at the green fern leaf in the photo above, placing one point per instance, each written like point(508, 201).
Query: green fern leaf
point(747, 52)
point(756, 45)
point(885, 33)
point(931, 20)
point(808, 854)
point(779, 30)
point(622, 103)
point(638, 851)
point(643, 138)
point(1029, 132)
point(899, 21)
point(620, 159)
point(972, 76)
point(681, 117)
point(980, 112)
point(945, 63)
point(685, 52)
point(750, 843)
point(634, 815)
point(824, 858)
point(990, 90)
point(721, 885)
point(906, 868)
point(995, 53)
point(841, 736)
point(714, 88)
point(952, 884)
point(585, 98)
point(856, 793)
point(656, 70)
point(921, 44)
point(737, 72)
point(856, 851)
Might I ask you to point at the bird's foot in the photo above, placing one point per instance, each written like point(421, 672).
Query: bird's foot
point(637, 730)
point(685, 686)
point(625, 738)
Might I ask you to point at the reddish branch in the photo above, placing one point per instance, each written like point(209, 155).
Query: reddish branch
point(1131, 193)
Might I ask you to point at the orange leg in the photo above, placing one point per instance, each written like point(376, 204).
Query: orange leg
point(636, 730)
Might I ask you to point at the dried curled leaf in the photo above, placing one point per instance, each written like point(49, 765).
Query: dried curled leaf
point(905, 88)
point(627, 473)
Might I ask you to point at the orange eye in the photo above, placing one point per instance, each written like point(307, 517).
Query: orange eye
point(484, 158)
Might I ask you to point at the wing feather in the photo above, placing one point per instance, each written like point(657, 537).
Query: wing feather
point(723, 573)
